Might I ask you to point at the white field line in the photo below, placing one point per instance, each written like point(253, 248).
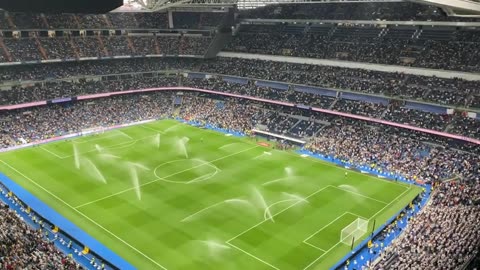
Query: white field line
point(330, 249)
point(78, 141)
point(114, 146)
point(260, 223)
point(359, 194)
point(251, 255)
point(162, 178)
point(394, 200)
point(315, 247)
point(201, 210)
point(321, 229)
point(330, 223)
point(326, 252)
point(406, 186)
point(85, 216)
point(195, 180)
point(353, 214)
point(265, 213)
point(204, 177)
point(156, 130)
point(276, 214)
point(208, 175)
point(52, 153)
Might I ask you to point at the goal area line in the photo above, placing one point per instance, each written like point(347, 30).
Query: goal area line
point(324, 252)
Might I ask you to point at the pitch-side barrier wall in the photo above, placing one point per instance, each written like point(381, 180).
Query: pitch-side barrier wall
point(64, 225)
point(349, 115)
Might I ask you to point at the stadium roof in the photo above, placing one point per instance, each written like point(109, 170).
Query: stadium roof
point(465, 6)
point(60, 6)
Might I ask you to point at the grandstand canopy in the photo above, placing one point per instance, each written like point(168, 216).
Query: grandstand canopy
point(60, 6)
point(464, 7)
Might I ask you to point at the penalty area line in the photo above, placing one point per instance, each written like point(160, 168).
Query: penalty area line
point(251, 255)
point(360, 194)
point(260, 223)
point(307, 243)
point(83, 215)
point(276, 214)
point(339, 242)
point(330, 223)
point(52, 153)
point(149, 128)
point(321, 256)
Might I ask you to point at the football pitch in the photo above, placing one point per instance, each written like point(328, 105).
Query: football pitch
point(166, 195)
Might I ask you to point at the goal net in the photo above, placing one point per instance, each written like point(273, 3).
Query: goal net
point(356, 229)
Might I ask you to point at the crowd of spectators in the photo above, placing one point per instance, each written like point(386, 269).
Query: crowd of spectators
point(455, 52)
point(369, 109)
point(113, 20)
point(362, 44)
point(90, 68)
point(22, 247)
point(189, 20)
point(62, 89)
point(454, 92)
point(59, 48)
point(224, 113)
point(411, 154)
point(392, 150)
point(465, 125)
point(29, 49)
point(457, 92)
point(23, 49)
point(353, 11)
point(40, 123)
point(395, 111)
point(356, 142)
point(446, 235)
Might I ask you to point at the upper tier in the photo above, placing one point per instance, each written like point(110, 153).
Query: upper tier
point(390, 11)
point(438, 48)
point(130, 20)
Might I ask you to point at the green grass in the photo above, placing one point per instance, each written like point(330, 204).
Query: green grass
point(203, 212)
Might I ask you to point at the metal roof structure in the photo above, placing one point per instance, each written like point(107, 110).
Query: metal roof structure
point(463, 7)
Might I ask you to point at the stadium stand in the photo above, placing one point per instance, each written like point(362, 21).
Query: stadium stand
point(356, 141)
point(350, 131)
point(453, 92)
point(116, 20)
point(372, 44)
point(26, 248)
point(35, 49)
point(392, 110)
point(353, 11)
point(444, 235)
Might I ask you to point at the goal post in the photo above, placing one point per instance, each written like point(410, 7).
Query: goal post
point(354, 230)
